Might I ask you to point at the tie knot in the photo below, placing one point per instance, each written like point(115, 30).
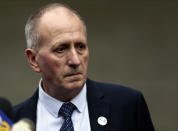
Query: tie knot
point(67, 109)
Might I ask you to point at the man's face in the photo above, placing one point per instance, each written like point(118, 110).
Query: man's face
point(63, 53)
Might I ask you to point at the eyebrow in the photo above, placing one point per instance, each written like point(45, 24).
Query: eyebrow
point(62, 42)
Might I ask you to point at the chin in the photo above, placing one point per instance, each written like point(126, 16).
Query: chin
point(76, 84)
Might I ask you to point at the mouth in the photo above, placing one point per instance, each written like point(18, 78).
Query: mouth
point(76, 74)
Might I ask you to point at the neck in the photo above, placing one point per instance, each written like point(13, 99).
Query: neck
point(61, 93)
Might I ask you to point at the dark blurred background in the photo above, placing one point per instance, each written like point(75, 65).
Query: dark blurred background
point(132, 43)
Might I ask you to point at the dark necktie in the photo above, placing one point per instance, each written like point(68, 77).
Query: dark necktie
point(66, 111)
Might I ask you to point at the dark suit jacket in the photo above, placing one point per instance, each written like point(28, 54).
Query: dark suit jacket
point(124, 108)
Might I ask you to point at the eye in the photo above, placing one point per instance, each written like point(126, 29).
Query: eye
point(81, 46)
point(61, 48)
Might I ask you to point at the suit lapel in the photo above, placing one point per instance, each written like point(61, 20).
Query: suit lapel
point(98, 107)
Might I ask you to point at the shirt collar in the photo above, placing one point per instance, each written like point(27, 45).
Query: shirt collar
point(53, 105)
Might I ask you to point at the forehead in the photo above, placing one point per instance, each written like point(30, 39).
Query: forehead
point(60, 20)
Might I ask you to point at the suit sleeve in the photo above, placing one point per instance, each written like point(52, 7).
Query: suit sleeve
point(144, 122)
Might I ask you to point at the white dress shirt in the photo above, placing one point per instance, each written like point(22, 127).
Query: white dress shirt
point(48, 108)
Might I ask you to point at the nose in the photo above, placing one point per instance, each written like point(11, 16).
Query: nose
point(73, 58)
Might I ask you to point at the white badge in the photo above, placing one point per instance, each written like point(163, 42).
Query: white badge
point(102, 120)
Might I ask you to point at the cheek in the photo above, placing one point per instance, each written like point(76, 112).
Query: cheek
point(48, 64)
point(85, 60)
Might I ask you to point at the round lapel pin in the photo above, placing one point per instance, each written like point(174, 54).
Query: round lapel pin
point(102, 120)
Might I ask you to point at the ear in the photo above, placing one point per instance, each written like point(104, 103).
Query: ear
point(31, 56)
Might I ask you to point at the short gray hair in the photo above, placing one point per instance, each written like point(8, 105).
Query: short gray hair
point(31, 27)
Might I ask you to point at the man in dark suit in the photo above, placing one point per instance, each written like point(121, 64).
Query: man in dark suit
point(66, 99)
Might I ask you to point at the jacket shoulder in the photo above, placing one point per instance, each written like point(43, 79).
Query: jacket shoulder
point(114, 89)
point(26, 109)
